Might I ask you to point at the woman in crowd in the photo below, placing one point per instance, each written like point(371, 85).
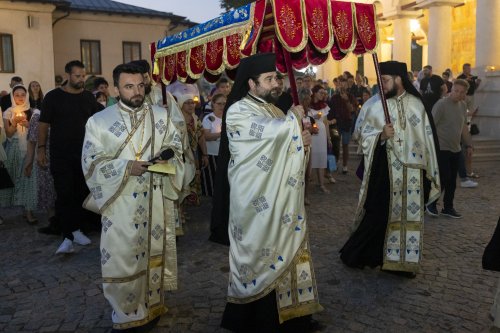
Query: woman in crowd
point(212, 124)
point(45, 183)
point(16, 122)
point(308, 123)
point(36, 95)
point(319, 111)
point(102, 99)
point(196, 139)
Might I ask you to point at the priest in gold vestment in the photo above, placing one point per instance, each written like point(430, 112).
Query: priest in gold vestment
point(138, 250)
point(272, 286)
point(401, 175)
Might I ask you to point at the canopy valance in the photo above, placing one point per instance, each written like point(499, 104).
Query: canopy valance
point(306, 29)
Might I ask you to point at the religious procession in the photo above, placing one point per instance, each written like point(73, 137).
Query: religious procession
point(287, 166)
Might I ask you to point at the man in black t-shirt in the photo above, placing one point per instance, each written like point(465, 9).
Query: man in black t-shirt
point(66, 111)
point(473, 81)
point(432, 88)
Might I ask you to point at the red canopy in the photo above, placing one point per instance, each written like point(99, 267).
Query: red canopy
point(305, 29)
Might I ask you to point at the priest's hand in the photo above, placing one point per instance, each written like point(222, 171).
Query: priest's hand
point(388, 132)
point(139, 167)
point(299, 110)
point(306, 138)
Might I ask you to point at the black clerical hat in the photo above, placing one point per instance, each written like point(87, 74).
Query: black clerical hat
point(250, 67)
point(393, 68)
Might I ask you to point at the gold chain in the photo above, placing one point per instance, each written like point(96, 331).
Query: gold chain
point(137, 152)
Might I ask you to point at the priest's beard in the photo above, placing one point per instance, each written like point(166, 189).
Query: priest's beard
point(391, 93)
point(271, 96)
point(134, 102)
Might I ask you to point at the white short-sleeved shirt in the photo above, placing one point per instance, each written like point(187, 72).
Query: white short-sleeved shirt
point(214, 124)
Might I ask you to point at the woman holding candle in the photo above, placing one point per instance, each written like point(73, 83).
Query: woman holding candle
point(212, 124)
point(320, 142)
point(16, 122)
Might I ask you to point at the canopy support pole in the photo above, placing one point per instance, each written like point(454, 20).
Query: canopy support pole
point(163, 92)
point(381, 89)
point(291, 76)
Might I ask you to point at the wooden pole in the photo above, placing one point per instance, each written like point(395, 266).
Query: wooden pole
point(291, 76)
point(381, 89)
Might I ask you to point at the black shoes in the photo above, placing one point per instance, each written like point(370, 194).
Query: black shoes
point(139, 329)
point(432, 210)
point(408, 275)
point(451, 213)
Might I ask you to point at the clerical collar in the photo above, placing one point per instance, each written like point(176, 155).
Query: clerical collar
point(256, 99)
point(400, 97)
point(128, 109)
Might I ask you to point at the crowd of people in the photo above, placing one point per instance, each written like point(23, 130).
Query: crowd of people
point(85, 158)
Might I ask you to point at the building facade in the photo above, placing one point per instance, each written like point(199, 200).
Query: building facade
point(37, 38)
point(442, 33)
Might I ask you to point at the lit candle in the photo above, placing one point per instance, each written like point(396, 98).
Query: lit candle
point(320, 114)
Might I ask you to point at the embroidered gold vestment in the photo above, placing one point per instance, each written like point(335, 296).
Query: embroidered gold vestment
point(269, 248)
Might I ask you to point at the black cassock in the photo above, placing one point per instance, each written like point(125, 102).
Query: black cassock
point(365, 247)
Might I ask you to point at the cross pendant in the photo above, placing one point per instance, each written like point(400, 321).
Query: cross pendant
point(399, 141)
point(137, 156)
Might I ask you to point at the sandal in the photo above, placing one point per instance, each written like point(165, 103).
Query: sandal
point(324, 189)
point(332, 180)
point(473, 175)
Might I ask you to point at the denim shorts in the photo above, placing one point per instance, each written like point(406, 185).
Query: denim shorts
point(346, 137)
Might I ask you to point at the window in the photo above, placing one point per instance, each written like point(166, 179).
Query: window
point(131, 51)
point(91, 56)
point(6, 54)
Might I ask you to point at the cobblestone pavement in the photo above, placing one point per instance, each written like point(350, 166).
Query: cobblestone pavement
point(41, 292)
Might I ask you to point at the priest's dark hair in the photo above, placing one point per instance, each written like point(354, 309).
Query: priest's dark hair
point(125, 68)
point(142, 64)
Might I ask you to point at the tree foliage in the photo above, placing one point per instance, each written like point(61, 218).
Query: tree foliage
point(232, 4)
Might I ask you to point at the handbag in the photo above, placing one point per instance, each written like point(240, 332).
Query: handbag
point(474, 129)
point(491, 255)
point(5, 180)
point(331, 161)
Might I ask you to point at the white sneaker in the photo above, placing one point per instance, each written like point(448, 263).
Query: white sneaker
point(468, 183)
point(80, 238)
point(65, 247)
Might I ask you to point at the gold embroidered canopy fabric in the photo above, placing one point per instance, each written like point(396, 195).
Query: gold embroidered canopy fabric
point(308, 29)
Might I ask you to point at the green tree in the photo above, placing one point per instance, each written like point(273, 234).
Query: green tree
point(232, 4)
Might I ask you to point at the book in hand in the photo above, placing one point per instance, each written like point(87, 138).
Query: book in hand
point(163, 167)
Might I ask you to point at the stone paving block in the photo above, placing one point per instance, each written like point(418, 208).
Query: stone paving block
point(450, 294)
point(5, 318)
point(48, 329)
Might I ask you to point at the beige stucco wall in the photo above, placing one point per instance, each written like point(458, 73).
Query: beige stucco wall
point(33, 47)
point(111, 30)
